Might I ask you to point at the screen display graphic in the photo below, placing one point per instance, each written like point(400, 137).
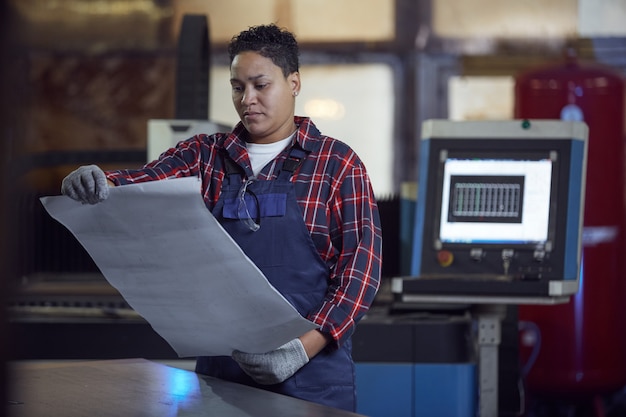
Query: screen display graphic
point(495, 200)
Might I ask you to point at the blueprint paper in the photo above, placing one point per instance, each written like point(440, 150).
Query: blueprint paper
point(162, 249)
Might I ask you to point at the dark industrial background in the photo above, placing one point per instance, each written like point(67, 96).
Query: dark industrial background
point(53, 117)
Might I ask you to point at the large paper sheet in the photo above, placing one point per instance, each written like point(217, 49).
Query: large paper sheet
point(174, 264)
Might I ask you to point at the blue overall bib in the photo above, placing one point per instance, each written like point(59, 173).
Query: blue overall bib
point(283, 250)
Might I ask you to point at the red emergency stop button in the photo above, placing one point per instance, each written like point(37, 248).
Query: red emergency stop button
point(445, 258)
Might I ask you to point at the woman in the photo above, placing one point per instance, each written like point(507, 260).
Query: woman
point(301, 206)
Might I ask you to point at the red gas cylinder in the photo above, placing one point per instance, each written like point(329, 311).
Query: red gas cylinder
point(582, 344)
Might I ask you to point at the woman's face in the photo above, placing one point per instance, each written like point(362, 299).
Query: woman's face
point(263, 97)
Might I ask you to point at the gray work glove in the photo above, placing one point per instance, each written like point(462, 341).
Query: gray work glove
point(87, 184)
point(273, 367)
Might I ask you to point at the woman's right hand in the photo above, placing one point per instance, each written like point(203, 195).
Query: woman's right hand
point(87, 184)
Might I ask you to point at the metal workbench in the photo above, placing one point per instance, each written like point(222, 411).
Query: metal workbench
point(138, 387)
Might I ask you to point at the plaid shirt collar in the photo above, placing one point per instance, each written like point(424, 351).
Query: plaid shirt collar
point(306, 137)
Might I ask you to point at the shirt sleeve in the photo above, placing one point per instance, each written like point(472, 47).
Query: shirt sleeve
point(180, 161)
point(355, 277)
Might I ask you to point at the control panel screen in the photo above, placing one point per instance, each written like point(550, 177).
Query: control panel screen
point(499, 207)
point(495, 201)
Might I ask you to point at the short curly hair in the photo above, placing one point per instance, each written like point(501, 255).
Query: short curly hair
point(270, 41)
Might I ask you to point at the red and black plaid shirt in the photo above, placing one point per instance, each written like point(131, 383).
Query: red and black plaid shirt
point(335, 195)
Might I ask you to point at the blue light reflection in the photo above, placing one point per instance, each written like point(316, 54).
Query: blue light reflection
point(182, 390)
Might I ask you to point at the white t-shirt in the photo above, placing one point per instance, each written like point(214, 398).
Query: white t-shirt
point(262, 153)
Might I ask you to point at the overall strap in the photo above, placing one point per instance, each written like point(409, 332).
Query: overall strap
point(293, 161)
point(234, 172)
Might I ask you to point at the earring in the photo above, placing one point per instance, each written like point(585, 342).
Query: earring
point(295, 93)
